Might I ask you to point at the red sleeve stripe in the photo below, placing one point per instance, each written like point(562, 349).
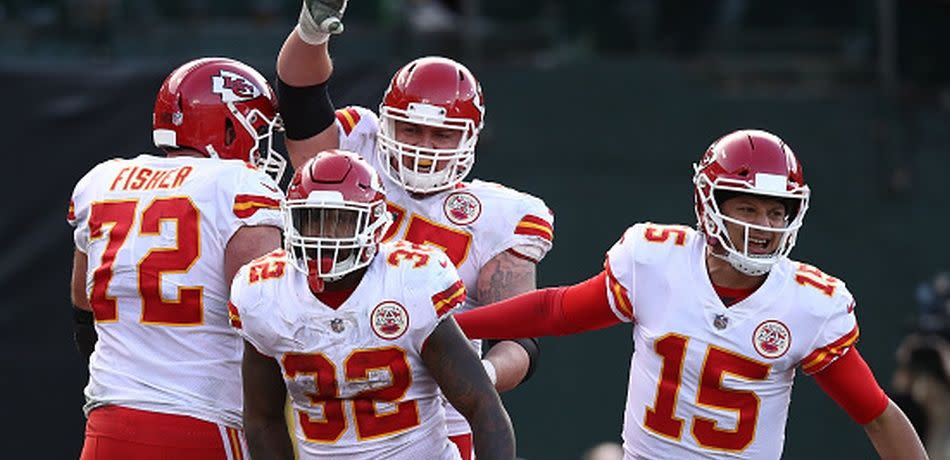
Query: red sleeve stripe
point(348, 117)
point(619, 293)
point(246, 205)
point(521, 256)
point(535, 226)
point(71, 213)
point(823, 356)
point(233, 316)
point(449, 298)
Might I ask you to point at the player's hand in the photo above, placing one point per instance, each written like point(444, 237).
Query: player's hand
point(321, 18)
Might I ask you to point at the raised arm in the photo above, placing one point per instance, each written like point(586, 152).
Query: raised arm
point(264, 424)
point(456, 368)
point(303, 70)
point(552, 311)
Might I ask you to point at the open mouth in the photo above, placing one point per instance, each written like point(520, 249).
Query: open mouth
point(760, 245)
point(425, 165)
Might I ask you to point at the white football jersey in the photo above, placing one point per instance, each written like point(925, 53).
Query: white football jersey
point(358, 386)
point(707, 381)
point(155, 230)
point(472, 223)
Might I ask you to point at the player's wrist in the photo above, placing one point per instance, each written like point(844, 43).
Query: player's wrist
point(490, 370)
point(316, 30)
point(310, 34)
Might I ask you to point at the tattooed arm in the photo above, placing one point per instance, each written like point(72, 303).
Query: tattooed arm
point(503, 277)
point(455, 367)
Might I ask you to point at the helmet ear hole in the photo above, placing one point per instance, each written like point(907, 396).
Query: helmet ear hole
point(230, 134)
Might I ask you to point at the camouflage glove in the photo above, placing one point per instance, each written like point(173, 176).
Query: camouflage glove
point(319, 19)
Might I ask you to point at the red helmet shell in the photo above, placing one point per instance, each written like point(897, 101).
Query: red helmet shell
point(439, 82)
point(199, 100)
point(339, 171)
point(742, 155)
point(753, 162)
point(334, 180)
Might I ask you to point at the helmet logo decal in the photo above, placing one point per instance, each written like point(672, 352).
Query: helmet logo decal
point(477, 100)
point(233, 87)
point(771, 339)
point(462, 208)
point(389, 320)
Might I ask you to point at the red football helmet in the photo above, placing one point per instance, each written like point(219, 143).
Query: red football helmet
point(757, 163)
point(437, 92)
point(334, 215)
point(221, 108)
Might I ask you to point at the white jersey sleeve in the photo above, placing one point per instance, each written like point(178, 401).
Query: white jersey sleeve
point(79, 204)
point(840, 329)
point(433, 280)
point(256, 202)
point(250, 307)
point(629, 252)
point(358, 127)
point(517, 221)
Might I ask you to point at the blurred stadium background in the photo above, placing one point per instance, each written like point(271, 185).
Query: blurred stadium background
point(598, 107)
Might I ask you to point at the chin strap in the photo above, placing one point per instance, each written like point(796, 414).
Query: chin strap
point(743, 266)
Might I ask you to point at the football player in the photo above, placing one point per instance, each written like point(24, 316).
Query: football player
point(722, 318)
point(359, 333)
point(423, 144)
point(158, 240)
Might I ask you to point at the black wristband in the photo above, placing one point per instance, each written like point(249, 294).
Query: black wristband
point(305, 110)
point(531, 345)
point(84, 332)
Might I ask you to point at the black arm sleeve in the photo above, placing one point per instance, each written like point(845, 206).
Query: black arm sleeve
point(305, 110)
point(531, 345)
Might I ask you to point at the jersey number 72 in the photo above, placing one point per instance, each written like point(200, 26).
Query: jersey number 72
point(120, 216)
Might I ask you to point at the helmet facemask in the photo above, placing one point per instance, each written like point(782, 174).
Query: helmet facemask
point(261, 130)
point(328, 237)
point(425, 169)
point(714, 221)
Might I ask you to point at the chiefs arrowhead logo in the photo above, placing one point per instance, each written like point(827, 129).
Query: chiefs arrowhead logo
point(772, 339)
point(233, 87)
point(462, 208)
point(389, 320)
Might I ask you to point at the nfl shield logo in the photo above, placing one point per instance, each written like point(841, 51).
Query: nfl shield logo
point(337, 325)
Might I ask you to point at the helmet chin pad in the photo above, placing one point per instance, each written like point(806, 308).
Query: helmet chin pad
point(746, 265)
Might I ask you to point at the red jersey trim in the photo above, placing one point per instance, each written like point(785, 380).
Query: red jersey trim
point(619, 293)
point(823, 356)
point(246, 205)
point(233, 316)
point(521, 256)
point(448, 299)
point(535, 226)
point(349, 118)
